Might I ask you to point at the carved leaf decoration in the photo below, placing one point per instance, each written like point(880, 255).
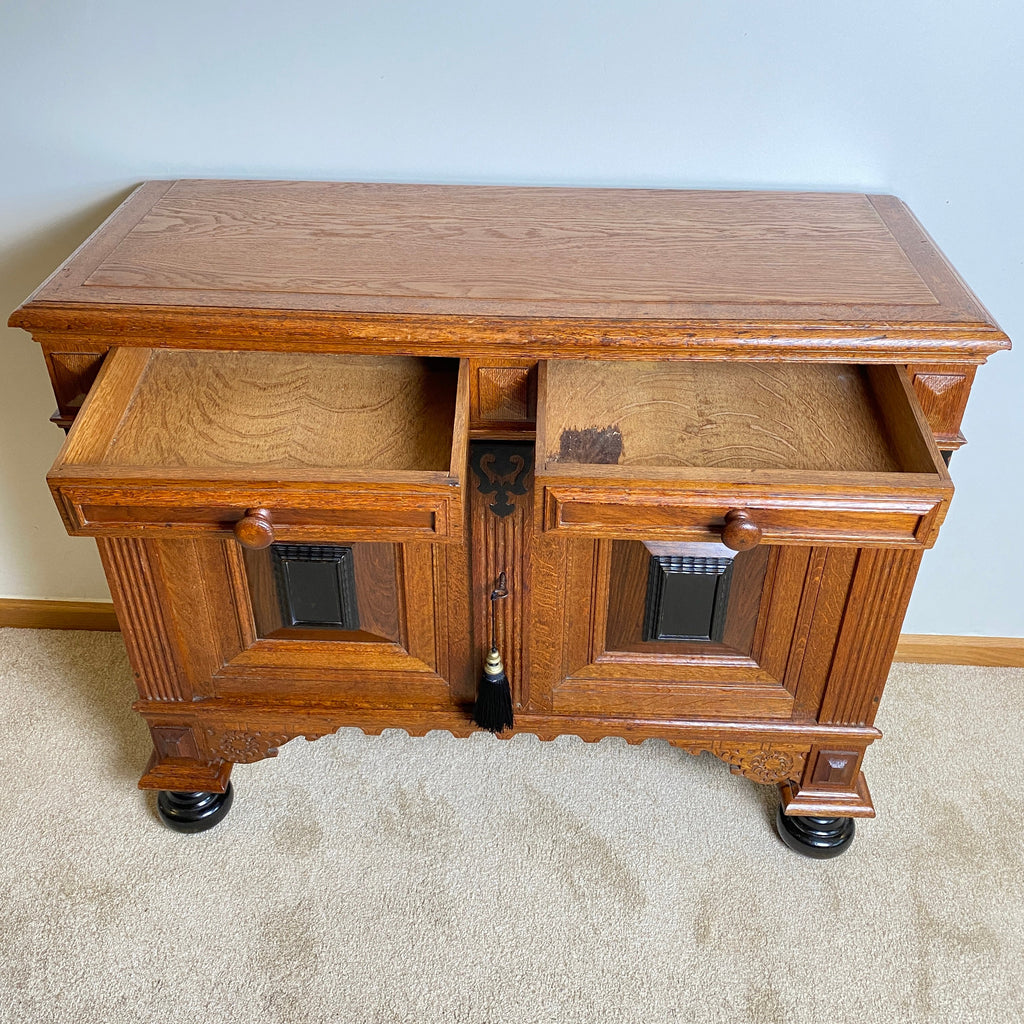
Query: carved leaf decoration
point(763, 763)
point(767, 765)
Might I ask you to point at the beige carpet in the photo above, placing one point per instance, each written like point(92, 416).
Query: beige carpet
point(389, 879)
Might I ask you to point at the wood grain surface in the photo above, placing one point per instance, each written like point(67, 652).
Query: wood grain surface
point(393, 268)
point(27, 613)
point(262, 409)
point(518, 244)
point(742, 440)
point(724, 415)
point(988, 651)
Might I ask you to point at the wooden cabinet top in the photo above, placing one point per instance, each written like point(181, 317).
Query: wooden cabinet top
point(524, 272)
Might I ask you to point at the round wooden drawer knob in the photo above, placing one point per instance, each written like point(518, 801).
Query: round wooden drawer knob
point(740, 531)
point(256, 530)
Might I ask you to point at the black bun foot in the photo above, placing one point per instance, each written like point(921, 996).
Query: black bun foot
point(815, 837)
point(193, 812)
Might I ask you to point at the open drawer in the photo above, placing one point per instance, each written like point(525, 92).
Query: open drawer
point(271, 446)
point(785, 453)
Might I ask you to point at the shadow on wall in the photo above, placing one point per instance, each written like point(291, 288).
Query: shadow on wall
point(26, 402)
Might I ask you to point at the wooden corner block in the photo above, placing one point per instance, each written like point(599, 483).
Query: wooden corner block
point(185, 775)
point(809, 801)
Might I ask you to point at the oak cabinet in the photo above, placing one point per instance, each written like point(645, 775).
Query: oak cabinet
point(704, 436)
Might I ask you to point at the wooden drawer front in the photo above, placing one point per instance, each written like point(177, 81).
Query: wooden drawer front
point(807, 453)
point(327, 446)
point(699, 515)
point(91, 509)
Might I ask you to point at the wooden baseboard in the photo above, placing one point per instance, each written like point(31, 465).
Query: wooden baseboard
point(928, 649)
point(57, 614)
point(990, 651)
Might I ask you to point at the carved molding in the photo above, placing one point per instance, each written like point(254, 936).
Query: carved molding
point(501, 537)
point(245, 746)
point(505, 395)
point(133, 571)
point(943, 395)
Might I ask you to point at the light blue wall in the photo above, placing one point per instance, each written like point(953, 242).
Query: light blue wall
point(921, 99)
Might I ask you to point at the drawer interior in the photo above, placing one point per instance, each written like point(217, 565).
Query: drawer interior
point(821, 417)
point(268, 410)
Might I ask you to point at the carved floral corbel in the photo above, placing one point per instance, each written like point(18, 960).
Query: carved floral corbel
point(764, 763)
point(242, 746)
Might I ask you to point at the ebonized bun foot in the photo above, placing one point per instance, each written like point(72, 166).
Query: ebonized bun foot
point(815, 837)
point(193, 812)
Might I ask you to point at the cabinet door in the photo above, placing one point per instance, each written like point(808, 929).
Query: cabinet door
point(624, 628)
point(345, 625)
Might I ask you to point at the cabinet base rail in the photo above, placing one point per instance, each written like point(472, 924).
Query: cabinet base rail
point(816, 767)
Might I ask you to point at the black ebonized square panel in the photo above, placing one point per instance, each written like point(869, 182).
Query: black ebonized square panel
point(687, 598)
point(316, 586)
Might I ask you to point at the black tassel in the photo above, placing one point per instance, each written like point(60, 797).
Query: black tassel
point(493, 709)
